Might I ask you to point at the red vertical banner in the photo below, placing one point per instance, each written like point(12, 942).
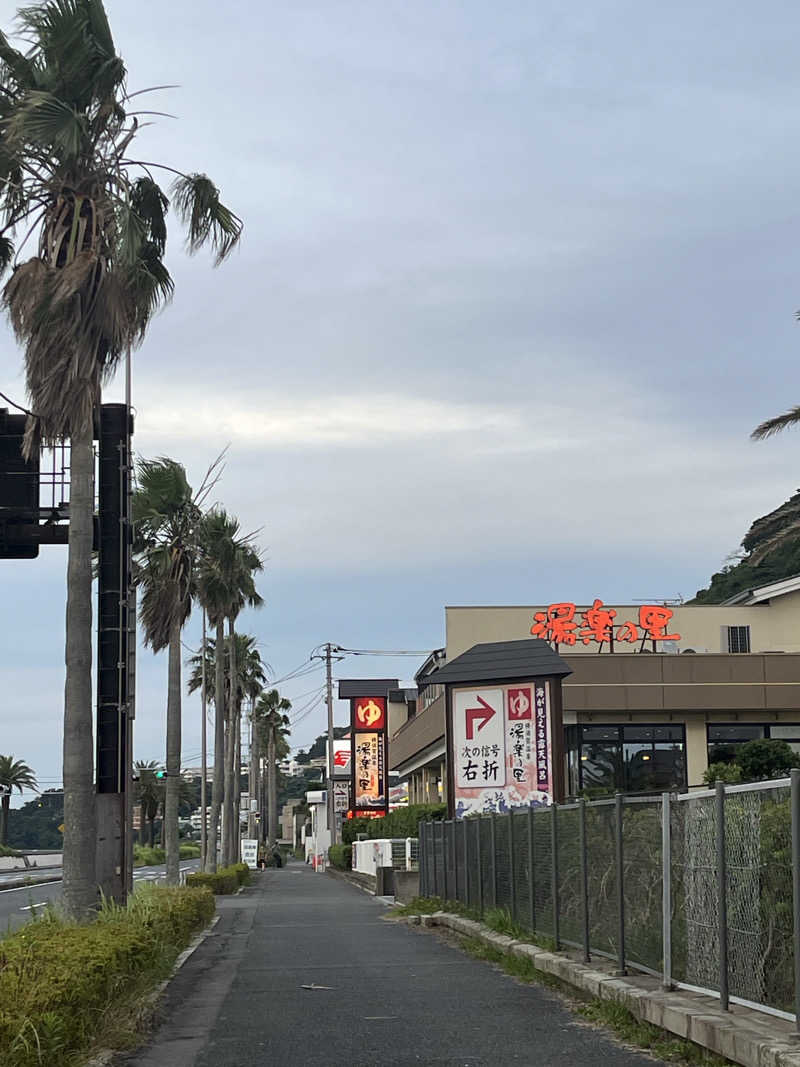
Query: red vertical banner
point(369, 747)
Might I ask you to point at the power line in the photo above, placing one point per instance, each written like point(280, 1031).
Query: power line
point(19, 407)
point(383, 652)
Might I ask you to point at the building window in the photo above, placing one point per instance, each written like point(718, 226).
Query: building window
point(724, 739)
point(631, 759)
point(738, 638)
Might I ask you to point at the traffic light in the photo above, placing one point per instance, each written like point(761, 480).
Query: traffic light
point(161, 775)
point(19, 492)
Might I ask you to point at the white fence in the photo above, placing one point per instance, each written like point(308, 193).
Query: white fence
point(399, 853)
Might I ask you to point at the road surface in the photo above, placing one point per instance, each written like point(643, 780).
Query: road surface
point(382, 993)
point(18, 905)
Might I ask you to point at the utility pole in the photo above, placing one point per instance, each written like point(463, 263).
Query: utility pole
point(329, 698)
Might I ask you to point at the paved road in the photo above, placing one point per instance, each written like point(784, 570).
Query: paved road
point(398, 995)
point(17, 906)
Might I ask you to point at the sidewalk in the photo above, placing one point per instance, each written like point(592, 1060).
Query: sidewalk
point(396, 994)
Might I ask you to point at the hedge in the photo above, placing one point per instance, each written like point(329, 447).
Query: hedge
point(226, 880)
point(341, 856)
point(402, 822)
point(61, 982)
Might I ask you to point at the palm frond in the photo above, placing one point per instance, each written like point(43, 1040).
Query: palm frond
point(770, 427)
point(151, 205)
point(44, 119)
point(6, 253)
point(18, 68)
point(197, 202)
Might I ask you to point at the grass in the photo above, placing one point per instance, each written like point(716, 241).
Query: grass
point(497, 919)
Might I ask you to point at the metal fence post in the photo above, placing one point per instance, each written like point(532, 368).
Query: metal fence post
point(795, 806)
point(479, 832)
point(446, 854)
point(512, 872)
point(454, 835)
point(434, 863)
point(423, 862)
point(722, 896)
point(466, 862)
point(554, 873)
point(584, 877)
point(493, 838)
point(531, 873)
point(618, 826)
point(666, 888)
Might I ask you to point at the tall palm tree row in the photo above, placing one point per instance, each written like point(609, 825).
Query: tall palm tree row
point(166, 518)
point(14, 774)
point(227, 563)
point(72, 185)
point(250, 678)
point(272, 728)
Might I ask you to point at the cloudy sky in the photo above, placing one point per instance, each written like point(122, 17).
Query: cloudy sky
point(516, 283)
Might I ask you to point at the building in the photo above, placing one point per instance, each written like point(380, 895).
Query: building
point(657, 691)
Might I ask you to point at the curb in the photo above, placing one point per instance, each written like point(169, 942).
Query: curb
point(25, 883)
point(743, 1035)
point(149, 1003)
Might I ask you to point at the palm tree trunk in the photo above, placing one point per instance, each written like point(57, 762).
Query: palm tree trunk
point(272, 785)
point(252, 781)
point(230, 755)
point(170, 831)
point(219, 747)
point(152, 832)
point(237, 784)
point(80, 838)
point(4, 806)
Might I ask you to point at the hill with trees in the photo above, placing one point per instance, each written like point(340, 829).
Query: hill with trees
point(770, 551)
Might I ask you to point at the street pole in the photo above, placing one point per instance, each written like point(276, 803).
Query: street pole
point(203, 759)
point(329, 698)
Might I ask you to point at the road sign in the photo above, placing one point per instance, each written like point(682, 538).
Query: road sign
point(501, 748)
point(479, 743)
point(250, 852)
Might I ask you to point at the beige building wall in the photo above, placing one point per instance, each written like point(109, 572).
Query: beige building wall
point(774, 626)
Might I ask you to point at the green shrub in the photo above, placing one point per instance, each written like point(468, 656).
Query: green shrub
point(766, 758)
point(145, 856)
point(730, 773)
point(341, 856)
point(242, 872)
point(189, 852)
point(60, 981)
point(403, 822)
point(226, 880)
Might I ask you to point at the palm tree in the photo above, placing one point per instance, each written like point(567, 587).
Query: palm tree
point(14, 774)
point(148, 791)
point(224, 586)
point(782, 526)
point(245, 563)
point(166, 516)
point(250, 669)
point(69, 180)
point(272, 729)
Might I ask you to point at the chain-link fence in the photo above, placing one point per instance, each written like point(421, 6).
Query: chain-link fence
point(702, 888)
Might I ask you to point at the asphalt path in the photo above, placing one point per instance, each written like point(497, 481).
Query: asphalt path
point(302, 968)
point(18, 906)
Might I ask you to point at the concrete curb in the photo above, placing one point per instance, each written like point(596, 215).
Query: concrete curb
point(742, 1035)
point(30, 882)
point(148, 1005)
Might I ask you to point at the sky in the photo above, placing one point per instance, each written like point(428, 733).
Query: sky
point(516, 283)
